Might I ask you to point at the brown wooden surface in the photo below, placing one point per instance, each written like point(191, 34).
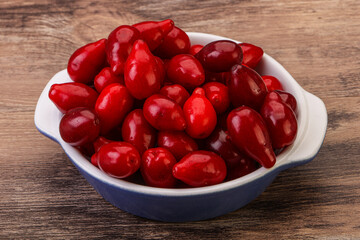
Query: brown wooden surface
point(42, 195)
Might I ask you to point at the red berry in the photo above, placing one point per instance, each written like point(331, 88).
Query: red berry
point(186, 70)
point(218, 95)
point(118, 47)
point(220, 56)
point(70, 95)
point(249, 134)
point(137, 131)
point(112, 106)
point(272, 83)
point(118, 159)
point(142, 73)
point(199, 114)
point(175, 92)
point(163, 113)
point(86, 62)
point(79, 126)
point(252, 54)
point(175, 42)
point(178, 143)
point(156, 168)
point(200, 168)
point(246, 87)
point(280, 120)
point(105, 78)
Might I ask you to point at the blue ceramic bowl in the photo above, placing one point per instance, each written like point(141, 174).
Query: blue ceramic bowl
point(179, 205)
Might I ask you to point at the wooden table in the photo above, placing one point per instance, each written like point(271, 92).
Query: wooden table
point(42, 195)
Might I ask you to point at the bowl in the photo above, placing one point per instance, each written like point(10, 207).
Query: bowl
point(192, 204)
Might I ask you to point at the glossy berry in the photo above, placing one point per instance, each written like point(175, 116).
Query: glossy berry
point(218, 95)
point(79, 126)
point(86, 62)
point(156, 168)
point(142, 74)
point(105, 78)
point(194, 49)
point(252, 54)
point(118, 47)
point(246, 87)
point(280, 120)
point(175, 92)
point(164, 114)
point(118, 159)
point(200, 168)
point(137, 131)
point(288, 98)
point(221, 77)
point(200, 115)
point(237, 164)
point(249, 134)
point(112, 106)
point(220, 56)
point(175, 42)
point(178, 143)
point(186, 70)
point(99, 142)
point(70, 95)
point(272, 83)
point(153, 33)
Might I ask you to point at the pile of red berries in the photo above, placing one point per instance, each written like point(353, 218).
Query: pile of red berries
point(144, 98)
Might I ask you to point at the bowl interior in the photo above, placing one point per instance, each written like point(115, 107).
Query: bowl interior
point(47, 118)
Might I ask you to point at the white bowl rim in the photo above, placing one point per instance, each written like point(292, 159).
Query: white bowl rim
point(81, 162)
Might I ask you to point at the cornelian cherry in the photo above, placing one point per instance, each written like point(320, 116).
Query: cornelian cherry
point(163, 113)
point(79, 126)
point(218, 95)
point(272, 83)
point(118, 159)
point(200, 168)
point(156, 168)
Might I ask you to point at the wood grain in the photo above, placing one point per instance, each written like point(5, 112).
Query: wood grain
point(43, 196)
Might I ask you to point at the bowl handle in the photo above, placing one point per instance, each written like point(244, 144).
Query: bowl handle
point(315, 131)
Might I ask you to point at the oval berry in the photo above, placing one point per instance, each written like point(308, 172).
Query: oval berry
point(194, 49)
point(288, 98)
point(220, 56)
point(251, 54)
point(118, 47)
point(200, 168)
point(70, 95)
point(112, 106)
point(163, 113)
point(105, 78)
point(79, 126)
point(137, 131)
point(156, 168)
point(280, 120)
point(272, 83)
point(249, 134)
point(118, 159)
point(175, 92)
point(218, 95)
point(200, 115)
point(86, 62)
point(175, 42)
point(186, 70)
point(153, 33)
point(246, 87)
point(142, 73)
point(178, 143)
